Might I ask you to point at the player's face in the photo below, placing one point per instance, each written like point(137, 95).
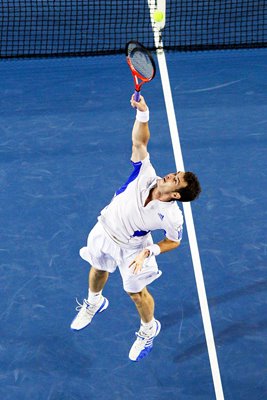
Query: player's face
point(172, 182)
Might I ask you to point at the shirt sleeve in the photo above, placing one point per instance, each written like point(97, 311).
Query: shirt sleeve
point(175, 234)
point(144, 163)
point(146, 168)
point(174, 227)
point(139, 168)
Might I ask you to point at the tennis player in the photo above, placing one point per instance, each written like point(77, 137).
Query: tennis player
point(122, 236)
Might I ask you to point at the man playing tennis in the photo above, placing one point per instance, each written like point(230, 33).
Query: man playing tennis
point(122, 235)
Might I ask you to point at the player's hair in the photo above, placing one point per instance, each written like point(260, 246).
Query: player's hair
point(192, 189)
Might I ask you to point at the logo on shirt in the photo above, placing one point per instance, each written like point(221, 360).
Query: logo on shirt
point(161, 216)
point(180, 232)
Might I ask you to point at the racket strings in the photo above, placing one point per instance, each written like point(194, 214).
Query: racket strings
point(141, 63)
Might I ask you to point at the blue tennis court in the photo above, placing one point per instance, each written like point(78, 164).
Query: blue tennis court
point(65, 148)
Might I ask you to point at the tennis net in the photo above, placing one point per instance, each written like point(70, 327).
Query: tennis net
point(47, 28)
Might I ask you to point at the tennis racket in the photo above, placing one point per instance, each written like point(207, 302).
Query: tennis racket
point(141, 64)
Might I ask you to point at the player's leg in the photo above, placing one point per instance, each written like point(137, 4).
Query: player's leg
point(149, 327)
point(136, 287)
point(99, 252)
point(145, 304)
point(97, 280)
point(95, 303)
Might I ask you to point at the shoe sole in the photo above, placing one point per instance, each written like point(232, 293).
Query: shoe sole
point(103, 307)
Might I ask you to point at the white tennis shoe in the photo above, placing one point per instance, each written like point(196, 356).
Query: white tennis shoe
point(144, 343)
point(86, 312)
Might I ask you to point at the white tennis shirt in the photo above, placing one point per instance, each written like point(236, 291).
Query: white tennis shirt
point(128, 222)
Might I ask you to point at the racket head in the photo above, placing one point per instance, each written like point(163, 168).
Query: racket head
point(141, 60)
point(141, 64)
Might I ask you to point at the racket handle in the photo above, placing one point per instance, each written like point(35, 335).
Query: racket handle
point(136, 96)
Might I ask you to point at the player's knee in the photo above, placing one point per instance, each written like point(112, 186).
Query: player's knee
point(137, 298)
point(98, 274)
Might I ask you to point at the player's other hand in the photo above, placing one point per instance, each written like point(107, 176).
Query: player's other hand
point(140, 105)
point(138, 262)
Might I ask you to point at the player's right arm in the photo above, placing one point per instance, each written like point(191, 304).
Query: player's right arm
point(140, 132)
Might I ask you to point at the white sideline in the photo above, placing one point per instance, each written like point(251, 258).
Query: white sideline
point(187, 207)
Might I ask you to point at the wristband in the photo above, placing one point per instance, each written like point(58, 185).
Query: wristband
point(142, 116)
point(154, 250)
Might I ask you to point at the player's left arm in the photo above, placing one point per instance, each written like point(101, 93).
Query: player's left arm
point(168, 245)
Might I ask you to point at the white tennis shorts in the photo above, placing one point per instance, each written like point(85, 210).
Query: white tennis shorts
point(105, 255)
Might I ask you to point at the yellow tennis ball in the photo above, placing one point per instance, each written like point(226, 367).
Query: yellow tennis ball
point(158, 16)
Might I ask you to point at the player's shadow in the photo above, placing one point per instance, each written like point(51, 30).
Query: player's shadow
point(191, 309)
point(228, 335)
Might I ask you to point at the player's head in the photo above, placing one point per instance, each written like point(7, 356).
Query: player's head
point(192, 189)
point(181, 186)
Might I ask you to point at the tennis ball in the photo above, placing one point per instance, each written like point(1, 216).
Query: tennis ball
point(158, 16)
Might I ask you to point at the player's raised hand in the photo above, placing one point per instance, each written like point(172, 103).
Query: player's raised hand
point(140, 105)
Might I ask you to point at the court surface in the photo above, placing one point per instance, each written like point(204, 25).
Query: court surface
point(64, 150)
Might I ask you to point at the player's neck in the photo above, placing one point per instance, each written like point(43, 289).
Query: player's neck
point(155, 194)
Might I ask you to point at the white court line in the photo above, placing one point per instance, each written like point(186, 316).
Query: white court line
point(187, 211)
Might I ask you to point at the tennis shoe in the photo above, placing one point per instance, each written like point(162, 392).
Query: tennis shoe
point(87, 311)
point(143, 343)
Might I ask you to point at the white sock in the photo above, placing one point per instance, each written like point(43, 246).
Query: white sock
point(94, 297)
point(148, 326)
